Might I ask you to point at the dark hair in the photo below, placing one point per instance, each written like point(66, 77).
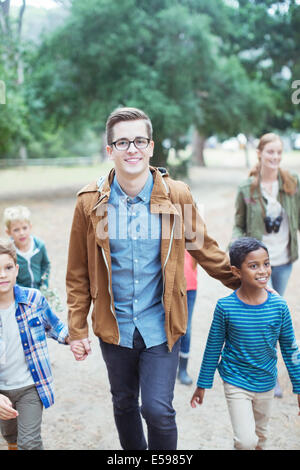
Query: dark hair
point(241, 247)
point(126, 114)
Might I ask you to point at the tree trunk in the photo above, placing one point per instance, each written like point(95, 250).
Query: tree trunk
point(2, 92)
point(103, 154)
point(4, 17)
point(247, 153)
point(23, 153)
point(198, 148)
point(160, 154)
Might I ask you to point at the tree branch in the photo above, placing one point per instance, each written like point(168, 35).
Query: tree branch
point(20, 20)
point(4, 16)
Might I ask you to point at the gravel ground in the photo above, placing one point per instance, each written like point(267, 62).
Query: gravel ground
point(81, 418)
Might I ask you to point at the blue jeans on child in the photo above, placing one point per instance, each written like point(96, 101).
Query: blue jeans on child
point(279, 279)
point(186, 339)
point(280, 276)
point(153, 371)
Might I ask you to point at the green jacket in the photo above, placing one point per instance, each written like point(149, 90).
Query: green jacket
point(249, 217)
point(35, 272)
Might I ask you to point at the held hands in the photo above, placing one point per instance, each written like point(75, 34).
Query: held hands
point(81, 348)
point(6, 409)
point(198, 396)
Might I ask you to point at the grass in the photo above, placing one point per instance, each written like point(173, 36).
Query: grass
point(35, 178)
point(237, 158)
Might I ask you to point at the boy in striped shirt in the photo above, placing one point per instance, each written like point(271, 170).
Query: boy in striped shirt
point(25, 371)
point(245, 329)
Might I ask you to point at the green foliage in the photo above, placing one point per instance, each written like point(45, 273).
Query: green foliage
point(187, 63)
point(13, 125)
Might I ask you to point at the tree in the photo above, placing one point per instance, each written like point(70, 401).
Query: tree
point(266, 39)
point(13, 127)
point(159, 59)
point(233, 103)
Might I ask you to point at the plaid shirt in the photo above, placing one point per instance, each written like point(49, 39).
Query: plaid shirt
point(35, 320)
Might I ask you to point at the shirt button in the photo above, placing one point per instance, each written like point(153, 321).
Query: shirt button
point(135, 318)
point(25, 344)
point(136, 281)
point(135, 300)
point(136, 260)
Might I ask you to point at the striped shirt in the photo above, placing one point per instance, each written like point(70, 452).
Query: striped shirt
point(245, 336)
point(35, 320)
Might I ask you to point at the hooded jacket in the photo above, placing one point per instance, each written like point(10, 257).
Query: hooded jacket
point(34, 272)
point(89, 272)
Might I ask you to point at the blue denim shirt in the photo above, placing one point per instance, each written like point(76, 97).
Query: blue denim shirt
point(135, 236)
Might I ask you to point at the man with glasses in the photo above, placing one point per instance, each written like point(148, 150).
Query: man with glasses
point(126, 256)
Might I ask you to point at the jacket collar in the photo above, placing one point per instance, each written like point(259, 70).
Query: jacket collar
point(160, 201)
point(20, 295)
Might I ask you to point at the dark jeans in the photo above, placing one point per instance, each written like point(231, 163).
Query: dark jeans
point(153, 372)
point(186, 339)
point(280, 276)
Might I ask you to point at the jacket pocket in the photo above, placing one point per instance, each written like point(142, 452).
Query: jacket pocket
point(37, 329)
point(179, 314)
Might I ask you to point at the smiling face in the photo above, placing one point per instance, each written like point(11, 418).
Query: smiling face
point(132, 162)
point(20, 231)
point(8, 274)
point(270, 155)
point(255, 270)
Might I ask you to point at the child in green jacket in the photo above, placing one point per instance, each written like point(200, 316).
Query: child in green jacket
point(32, 258)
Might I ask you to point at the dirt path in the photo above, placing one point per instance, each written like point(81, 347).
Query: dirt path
point(82, 415)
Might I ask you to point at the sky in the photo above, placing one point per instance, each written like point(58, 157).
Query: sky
point(36, 3)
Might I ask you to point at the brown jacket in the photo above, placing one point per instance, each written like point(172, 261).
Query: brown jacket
point(89, 275)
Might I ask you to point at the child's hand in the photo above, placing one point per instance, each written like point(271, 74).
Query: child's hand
point(80, 348)
point(6, 409)
point(197, 398)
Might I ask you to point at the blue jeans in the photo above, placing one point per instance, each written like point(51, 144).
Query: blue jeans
point(186, 339)
point(280, 276)
point(153, 371)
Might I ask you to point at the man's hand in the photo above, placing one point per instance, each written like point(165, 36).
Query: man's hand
point(197, 398)
point(80, 348)
point(299, 404)
point(6, 409)
point(270, 289)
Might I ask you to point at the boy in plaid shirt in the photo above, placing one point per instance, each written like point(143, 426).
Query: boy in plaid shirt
point(25, 371)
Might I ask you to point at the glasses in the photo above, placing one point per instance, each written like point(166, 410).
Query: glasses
point(124, 144)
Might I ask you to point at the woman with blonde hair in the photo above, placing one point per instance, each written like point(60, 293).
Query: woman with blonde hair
point(267, 208)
